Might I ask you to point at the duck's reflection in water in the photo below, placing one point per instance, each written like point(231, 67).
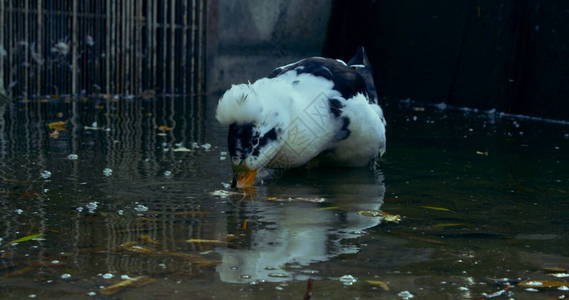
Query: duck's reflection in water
point(297, 233)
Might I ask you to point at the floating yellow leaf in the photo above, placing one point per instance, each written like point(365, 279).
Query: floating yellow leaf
point(165, 128)
point(26, 238)
point(204, 241)
point(60, 125)
point(379, 283)
point(148, 239)
point(330, 208)
point(436, 208)
point(133, 282)
point(542, 284)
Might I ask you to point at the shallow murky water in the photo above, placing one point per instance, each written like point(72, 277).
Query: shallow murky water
point(123, 187)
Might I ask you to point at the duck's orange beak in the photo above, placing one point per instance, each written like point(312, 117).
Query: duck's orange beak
point(243, 177)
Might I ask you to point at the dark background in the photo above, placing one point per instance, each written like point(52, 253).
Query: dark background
point(507, 55)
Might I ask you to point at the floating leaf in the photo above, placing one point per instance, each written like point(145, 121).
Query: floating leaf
point(330, 208)
point(204, 241)
point(57, 125)
point(379, 283)
point(436, 208)
point(542, 284)
point(26, 238)
point(165, 128)
point(133, 282)
point(148, 239)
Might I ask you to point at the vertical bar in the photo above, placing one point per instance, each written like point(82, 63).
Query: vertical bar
point(184, 45)
point(108, 48)
point(74, 46)
point(26, 39)
point(172, 45)
point(193, 47)
point(3, 45)
point(39, 47)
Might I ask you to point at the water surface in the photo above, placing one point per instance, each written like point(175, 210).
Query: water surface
point(124, 188)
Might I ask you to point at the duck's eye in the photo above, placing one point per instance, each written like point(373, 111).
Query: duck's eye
point(255, 141)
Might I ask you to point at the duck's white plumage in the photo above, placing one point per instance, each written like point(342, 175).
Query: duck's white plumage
point(316, 107)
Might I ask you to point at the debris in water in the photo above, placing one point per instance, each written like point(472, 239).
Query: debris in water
point(379, 283)
point(134, 282)
point(165, 128)
point(107, 172)
point(141, 208)
point(389, 218)
point(348, 280)
point(58, 126)
point(436, 208)
point(542, 284)
point(204, 241)
point(45, 174)
point(92, 206)
point(224, 194)
point(26, 238)
point(405, 295)
point(314, 200)
point(148, 239)
point(72, 156)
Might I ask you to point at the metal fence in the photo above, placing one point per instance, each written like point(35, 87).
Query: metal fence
point(129, 47)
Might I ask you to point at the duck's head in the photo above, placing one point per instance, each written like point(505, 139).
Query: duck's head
point(257, 117)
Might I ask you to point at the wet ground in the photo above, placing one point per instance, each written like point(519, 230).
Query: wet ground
point(96, 192)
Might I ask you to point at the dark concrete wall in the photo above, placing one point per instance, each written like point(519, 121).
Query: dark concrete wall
point(249, 38)
point(511, 55)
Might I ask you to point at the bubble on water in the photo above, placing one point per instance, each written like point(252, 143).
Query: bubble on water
point(120, 212)
point(563, 288)
point(206, 146)
point(65, 276)
point(194, 145)
point(45, 174)
point(32, 295)
point(55, 262)
point(531, 290)
point(72, 156)
point(79, 209)
point(91, 294)
point(107, 172)
point(18, 211)
point(108, 276)
point(167, 173)
point(279, 288)
point(141, 208)
point(125, 277)
point(348, 280)
point(463, 288)
point(278, 275)
point(405, 295)
point(163, 266)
